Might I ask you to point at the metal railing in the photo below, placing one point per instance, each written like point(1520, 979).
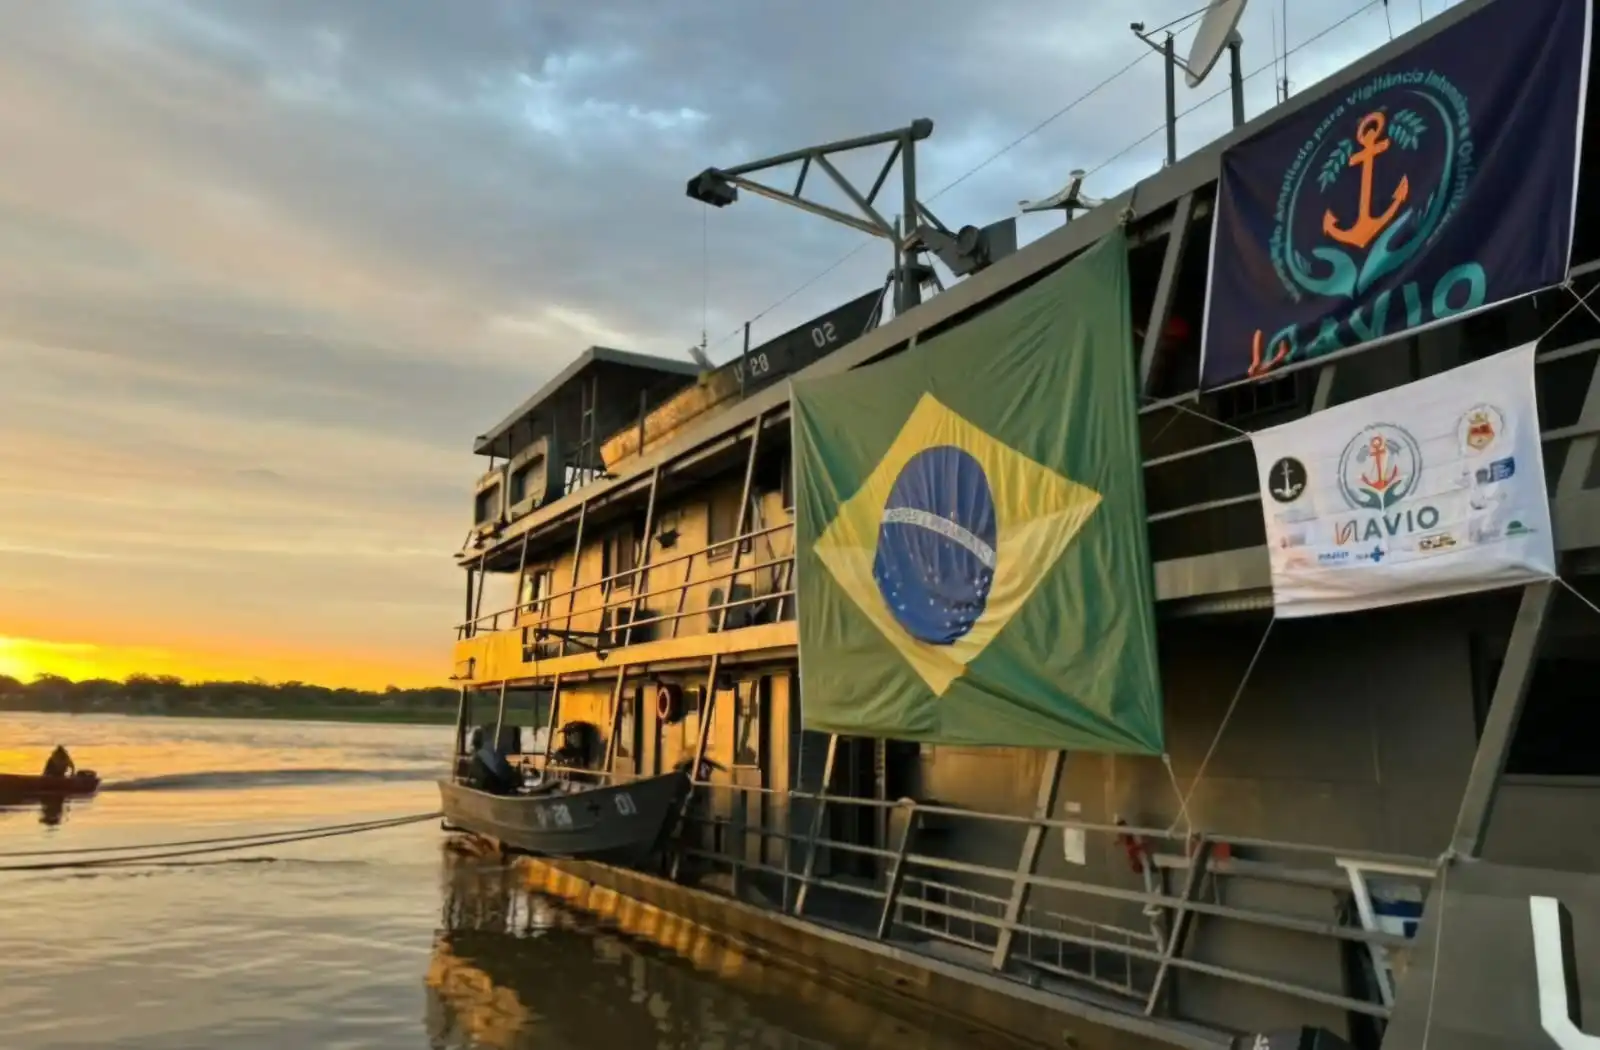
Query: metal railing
point(622, 591)
point(915, 894)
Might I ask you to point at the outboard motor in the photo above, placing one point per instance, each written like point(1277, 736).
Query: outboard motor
point(492, 773)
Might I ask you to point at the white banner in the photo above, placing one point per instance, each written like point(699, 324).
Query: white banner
point(1432, 489)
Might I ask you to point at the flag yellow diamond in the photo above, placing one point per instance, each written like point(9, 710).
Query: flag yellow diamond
point(1037, 512)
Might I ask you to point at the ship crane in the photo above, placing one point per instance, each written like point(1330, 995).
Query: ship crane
point(912, 235)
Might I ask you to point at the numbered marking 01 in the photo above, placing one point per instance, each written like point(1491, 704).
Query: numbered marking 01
point(625, 804)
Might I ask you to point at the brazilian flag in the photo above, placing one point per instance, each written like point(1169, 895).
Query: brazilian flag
point(973, 562)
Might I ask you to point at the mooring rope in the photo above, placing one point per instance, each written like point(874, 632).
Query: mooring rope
point(221, 844)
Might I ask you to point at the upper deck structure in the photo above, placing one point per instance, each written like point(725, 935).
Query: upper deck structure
point(651, 596)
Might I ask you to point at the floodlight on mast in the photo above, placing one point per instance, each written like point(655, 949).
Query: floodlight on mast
point(1219, 29)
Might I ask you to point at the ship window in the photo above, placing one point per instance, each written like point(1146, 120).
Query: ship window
point(484, 505)
point(1552, 735)
point(747, 725)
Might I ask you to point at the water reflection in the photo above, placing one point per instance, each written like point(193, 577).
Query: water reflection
point(511, 969)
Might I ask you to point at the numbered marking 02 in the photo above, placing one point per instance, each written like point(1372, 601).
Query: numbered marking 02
point(625, 804)
point(823, 335)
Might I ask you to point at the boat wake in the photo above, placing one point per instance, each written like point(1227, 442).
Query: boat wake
point(251, 778)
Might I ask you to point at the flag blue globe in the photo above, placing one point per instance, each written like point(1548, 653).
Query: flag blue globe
point(936, 545)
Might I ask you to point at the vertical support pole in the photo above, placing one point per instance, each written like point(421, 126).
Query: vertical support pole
point(708, 714)
point(817, 813)
point(1324, 391)
point(483, 585)
point(744, 360)
point(683, 592)
point(897, 874)
point(572, 586)
point(1044, 804)
point(461, 733)
point(616, 716)
point(1166, 290)
point(554, 719)
point(1236, 82)
point(466, 613)
point(1170, 60)
point(744, 513)
point(910, 293)
point(1199, 861)
point(499, 716)
point(1500, 726)
point(522, 568)
point(641, 560)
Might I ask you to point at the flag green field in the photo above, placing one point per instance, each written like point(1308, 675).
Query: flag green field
point(973, 561)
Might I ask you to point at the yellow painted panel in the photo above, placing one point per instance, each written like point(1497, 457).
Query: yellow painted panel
point(493, 657)
point(499, 656)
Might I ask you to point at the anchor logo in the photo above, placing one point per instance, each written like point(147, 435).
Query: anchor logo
point(1379, 467)
point(1384, 473)
point(1370, 133)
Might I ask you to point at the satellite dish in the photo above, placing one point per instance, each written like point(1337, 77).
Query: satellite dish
point(1218, 29)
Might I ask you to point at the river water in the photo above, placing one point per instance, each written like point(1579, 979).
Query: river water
point(386, 939)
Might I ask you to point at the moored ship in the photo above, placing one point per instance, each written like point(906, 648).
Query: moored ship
point(1242, 834)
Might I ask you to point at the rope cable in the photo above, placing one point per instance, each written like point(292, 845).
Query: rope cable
point(109, 862)
point(132, 847)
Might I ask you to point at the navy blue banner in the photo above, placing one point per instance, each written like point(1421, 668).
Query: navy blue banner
point(1441, 183)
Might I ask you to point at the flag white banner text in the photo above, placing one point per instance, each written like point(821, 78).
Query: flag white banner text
point(1432, 489)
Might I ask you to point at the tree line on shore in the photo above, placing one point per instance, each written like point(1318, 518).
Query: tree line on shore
point(169, 694)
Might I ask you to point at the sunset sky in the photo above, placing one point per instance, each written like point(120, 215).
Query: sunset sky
point(267, 266)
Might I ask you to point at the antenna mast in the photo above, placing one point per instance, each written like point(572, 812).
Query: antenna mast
point(1218, 30)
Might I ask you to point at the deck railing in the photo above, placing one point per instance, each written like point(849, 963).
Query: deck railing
point(554, 614)
point(987, 915)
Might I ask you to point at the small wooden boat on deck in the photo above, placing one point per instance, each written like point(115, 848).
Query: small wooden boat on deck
point(623, 823)
point(22, 787)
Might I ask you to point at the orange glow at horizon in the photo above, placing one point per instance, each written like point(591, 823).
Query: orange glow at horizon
point(26, 658)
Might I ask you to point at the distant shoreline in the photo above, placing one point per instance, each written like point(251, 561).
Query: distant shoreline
point(353, 715)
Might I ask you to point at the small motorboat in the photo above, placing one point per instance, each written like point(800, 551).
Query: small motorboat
point(23, 787)
point(624, 823)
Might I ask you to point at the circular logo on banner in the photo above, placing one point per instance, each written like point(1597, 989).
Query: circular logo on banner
point(1373, 185)
point(1286, 481)
point(936, 545)
point(1379, 467)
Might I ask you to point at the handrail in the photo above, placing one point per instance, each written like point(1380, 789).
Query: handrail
point(468, 628)
point(1057, 823)
point(1130, 945)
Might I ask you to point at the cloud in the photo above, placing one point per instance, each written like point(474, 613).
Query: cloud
point(266, 267)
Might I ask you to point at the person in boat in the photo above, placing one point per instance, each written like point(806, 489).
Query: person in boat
point(60, 763)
